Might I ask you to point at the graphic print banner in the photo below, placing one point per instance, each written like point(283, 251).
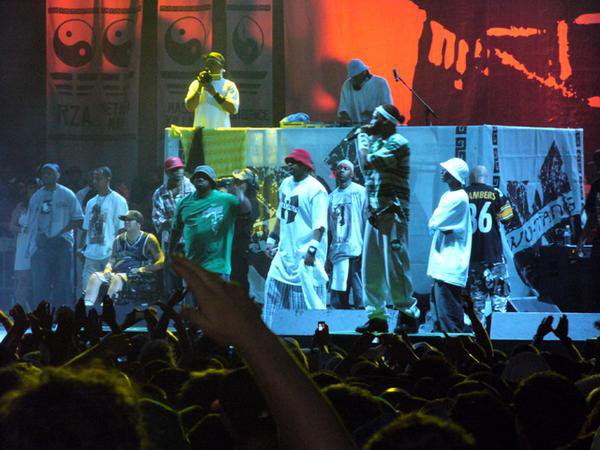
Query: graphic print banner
point(250, 59)
point(184, 34)
point(92, 60)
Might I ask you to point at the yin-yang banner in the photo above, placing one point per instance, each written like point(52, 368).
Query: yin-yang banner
point(93, 56)
point(250, 59)
point(184, 34)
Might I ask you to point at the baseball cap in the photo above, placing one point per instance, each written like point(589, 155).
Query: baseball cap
point(458, 169)
point(173, 162)
point(52, 166)
point(302, 156)
point(206, 170)
point(356, 66)
point(132, 214)
point(246, 174)
point(215, 56)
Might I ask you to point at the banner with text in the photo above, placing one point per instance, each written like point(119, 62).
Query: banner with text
point(92, 82)
point(250, 59)
point(184, 34)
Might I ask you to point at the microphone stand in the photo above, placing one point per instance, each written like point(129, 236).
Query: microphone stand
point(427, 108)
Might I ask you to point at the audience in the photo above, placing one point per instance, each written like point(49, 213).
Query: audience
point(224, 381)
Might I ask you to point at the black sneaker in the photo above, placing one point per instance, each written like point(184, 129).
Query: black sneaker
point(406, 323)
point(373, 325)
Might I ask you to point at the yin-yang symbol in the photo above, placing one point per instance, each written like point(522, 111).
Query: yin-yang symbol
point(185, 39)
point(74, 42)
point(117, 42)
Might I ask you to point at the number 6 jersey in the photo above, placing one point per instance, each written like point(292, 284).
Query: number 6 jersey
point(488, 207)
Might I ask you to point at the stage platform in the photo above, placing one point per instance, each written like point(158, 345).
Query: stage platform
point(507, 329)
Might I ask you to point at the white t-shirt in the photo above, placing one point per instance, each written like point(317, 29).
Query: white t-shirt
point(49, 213)
point(450, 252)
point(208, 113)
point(347, 213)
point(360, 104)
point(302, 209)
point(102, 223)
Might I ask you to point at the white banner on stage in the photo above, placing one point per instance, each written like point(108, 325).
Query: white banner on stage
point(250, 59)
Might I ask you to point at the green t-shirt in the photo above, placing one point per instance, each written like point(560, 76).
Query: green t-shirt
point(208, 225)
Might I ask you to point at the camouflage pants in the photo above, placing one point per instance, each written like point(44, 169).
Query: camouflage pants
point(488, 281)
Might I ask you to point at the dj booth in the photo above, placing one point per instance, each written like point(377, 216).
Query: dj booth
point(539, 169)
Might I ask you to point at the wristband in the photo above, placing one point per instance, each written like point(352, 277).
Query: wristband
point(313, 243)
point(219, 98)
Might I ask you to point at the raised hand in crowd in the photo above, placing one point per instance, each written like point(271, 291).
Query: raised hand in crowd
point(226, 314)
point(544, 328)
point(92, 330)
point(12, 339)
point(481, 335)
point(134, 316)
point(109, 315)
point(80, 314)
point(399, 350)
point(151, 319)
point(5, 321)
point(161, 328)
point(562, 332)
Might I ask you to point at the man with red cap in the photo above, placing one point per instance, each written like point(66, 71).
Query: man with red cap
point(164, 200)
point(384, 158)
point(297, 278)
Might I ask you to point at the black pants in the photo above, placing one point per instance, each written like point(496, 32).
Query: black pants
point(447, 307)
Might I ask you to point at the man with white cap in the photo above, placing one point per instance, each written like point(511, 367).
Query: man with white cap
point(361, 93)
point(297, 278)
point(53, 214)
point(206, 219)
point(211, 97)
point(347, 217)
point(164, 201)
point(450, 225)
point(384, 158)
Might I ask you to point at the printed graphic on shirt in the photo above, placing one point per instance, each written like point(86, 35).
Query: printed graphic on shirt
point(47, 207)
point(488, 208)
point(289, 208)
point(343, 221)
point(97, 221)
point(214, 215)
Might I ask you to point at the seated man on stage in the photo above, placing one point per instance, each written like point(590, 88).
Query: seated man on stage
point(361, 93)
point(134, 252)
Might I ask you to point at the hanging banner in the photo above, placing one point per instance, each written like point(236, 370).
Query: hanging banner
point(92, 80)
point(184, 34)
point(250, 59)
point(540, 172)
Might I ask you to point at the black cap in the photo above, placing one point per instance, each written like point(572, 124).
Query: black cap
point(133, 215)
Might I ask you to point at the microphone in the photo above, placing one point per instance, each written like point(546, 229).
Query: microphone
point(395, 72)
point(355, 133)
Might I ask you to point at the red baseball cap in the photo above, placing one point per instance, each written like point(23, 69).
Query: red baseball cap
point(302, 156)
point(173, 162)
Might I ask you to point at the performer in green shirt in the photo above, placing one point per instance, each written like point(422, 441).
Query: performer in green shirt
point(207, 220)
